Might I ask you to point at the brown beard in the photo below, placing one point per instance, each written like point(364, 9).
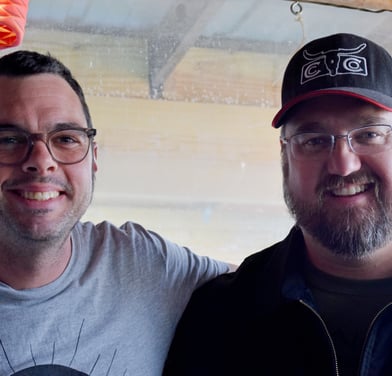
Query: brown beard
point(351, 232)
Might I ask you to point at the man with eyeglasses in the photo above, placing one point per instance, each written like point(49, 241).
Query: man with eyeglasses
point(75, 298)
point(318, 302)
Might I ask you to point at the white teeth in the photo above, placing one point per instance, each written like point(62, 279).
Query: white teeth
point(40, 196)
point(349, 191)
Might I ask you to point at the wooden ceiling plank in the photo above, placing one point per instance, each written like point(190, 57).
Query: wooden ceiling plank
point(373, 5)
point(179, 31)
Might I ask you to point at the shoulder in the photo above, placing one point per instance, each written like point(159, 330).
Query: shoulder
point(142, 246)
point(109, 232)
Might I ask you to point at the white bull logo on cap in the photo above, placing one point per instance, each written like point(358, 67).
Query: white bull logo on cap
point(333, 63)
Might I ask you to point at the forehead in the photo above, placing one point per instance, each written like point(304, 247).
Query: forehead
point(36, 99)
point(334, 112)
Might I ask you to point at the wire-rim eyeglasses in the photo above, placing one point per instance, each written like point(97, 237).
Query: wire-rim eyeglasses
point(369, 139)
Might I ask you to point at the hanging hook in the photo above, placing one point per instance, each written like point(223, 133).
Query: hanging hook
point(296, 8)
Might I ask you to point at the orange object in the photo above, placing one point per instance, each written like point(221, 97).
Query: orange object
point(13, 16)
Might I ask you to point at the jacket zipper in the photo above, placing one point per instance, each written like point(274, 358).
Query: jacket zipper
point(327, 332)
point(379, 313)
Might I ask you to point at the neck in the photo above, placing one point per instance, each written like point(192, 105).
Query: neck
point(377, 265)
point(22, 270)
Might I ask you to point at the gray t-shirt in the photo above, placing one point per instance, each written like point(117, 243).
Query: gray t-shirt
point(112, 312)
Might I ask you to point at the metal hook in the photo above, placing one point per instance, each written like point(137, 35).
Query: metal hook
point(296, 8)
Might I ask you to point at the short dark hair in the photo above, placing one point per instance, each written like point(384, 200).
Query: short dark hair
point(26, 63)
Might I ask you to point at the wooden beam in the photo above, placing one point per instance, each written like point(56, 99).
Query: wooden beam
point(372, 5)
point(179, 31)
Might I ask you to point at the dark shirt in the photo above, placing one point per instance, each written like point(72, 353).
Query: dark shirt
point(348, 308)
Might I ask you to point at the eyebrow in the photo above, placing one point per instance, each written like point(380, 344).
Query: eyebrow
point(316, 127)
point(9, 125)
point(373, 119)
point(67, 125)
point(308, 127)
point(57, 126)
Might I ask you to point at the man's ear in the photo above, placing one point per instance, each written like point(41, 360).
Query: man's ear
point(95, 156)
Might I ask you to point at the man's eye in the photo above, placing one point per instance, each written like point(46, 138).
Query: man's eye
point(317, 141)
point(12, 140)
point(370, 137)
point(67, 139)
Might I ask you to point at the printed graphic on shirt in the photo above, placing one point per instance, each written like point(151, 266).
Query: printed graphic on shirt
point(333, 63)
point(49, 370)
point(69, 369)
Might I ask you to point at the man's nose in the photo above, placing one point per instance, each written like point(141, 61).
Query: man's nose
point(342, 160)
point(39, 160)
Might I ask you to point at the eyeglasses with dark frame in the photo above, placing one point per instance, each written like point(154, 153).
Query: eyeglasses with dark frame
point(370, 139)
point(65, 145)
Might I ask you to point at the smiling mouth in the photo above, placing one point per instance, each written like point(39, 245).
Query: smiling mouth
point(350, 190)
point(40, 196)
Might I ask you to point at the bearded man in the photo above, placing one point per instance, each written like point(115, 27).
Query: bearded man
point(318, 302)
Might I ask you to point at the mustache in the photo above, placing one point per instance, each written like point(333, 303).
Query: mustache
point(329, 182)
point(15, 183)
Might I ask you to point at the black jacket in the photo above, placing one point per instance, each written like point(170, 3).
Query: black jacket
point(261, 320)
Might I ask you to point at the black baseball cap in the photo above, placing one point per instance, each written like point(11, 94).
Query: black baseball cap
point(339, 64)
